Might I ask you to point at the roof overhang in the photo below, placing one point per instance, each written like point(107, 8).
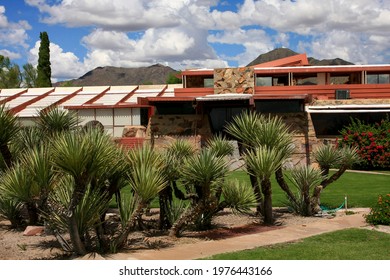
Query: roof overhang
point(225, 97)
point(350, 108)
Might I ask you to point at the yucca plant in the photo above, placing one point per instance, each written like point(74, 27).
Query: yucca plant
point(343, 158)
point(173, 156)
point(304, 178)
point(146, 179)
point(220, 146)
point(30, 181)
point(10, 209)
point(83, 156)
point(9, 128)
point(254, 130)
point(262, 163)
point(56, 120)
point(203, 173)
point(238, 196)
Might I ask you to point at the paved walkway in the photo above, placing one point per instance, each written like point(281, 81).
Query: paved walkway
point(283, 234)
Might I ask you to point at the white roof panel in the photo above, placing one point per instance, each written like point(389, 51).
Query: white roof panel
point(11, 91)
point(28, 112)
point(121, 89)
point(37, 91)
point(110, 99)
point(19, 101)
point(78, 100)
point(134, 97)
point(93, 90)
point(64, 90)
point(47, 101)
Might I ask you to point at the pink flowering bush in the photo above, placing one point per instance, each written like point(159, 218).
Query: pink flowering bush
point(372, 141)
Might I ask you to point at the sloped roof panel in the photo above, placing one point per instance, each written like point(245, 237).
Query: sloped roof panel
point(11, 91)
point(78, 100)
point(110, 98)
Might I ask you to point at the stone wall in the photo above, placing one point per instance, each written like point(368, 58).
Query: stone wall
point(234, 80)
point(305, 140)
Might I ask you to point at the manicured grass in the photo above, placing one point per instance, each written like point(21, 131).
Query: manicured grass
point(361, 189)
point(349, 244)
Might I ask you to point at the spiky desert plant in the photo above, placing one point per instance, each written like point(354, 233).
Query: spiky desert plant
point(220, 146)
point(203, 173)
point(9, 128)
point(238, 196)
point(82, 156)
point(263, 162)
point(305, 179)
point(56, 120)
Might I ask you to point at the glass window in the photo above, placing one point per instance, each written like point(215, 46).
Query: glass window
point(208, 83)
point(378, 78)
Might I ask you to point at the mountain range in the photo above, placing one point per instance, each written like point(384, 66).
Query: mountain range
point(158, 74)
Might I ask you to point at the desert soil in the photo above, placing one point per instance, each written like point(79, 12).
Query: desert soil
point(15, 246)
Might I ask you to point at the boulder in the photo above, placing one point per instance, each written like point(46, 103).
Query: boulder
point(33, 230)
point(134, 131)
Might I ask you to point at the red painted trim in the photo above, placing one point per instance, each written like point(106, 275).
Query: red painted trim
point(295, 60)
point(97, 96)
point(12, 97)
point(131, 93)
point(62, 100)
point(101, 106)
point(22, 106)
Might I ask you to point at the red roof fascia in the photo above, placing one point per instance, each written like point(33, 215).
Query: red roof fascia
point(295, 60)
point(101, 106)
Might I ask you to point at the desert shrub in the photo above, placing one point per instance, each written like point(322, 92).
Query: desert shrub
point(380, 212)
point(372, 141)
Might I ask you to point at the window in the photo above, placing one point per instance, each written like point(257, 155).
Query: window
point(279, 106)
point(274, 80)
point(373, 78)
point(301, 79)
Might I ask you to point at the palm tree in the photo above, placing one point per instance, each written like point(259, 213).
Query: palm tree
point(9, 127)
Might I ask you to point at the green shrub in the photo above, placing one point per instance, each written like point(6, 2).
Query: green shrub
point(380, 213)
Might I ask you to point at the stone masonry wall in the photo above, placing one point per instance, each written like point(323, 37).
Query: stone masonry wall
point(234, 80)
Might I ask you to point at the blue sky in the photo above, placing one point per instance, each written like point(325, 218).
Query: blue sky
point(85, 34)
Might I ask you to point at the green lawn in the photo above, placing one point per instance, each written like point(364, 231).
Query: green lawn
point(362, 190)
point(349, 244)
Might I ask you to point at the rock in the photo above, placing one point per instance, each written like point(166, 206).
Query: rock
point(33, 230)
point(134, 131)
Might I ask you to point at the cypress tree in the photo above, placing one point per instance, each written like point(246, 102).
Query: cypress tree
point(44, 69)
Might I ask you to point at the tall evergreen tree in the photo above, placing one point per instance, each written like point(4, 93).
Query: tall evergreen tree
point(44, 69)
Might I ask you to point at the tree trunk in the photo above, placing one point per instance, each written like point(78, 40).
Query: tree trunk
point(190, 215)
point(6, 153)
point(334, 177)
point(78, 245)
point(165, 199)
point(283, 185)
point(32, 211)
point(258, 195)
point(307, 202)
point(315, 199)
point(267, 193)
